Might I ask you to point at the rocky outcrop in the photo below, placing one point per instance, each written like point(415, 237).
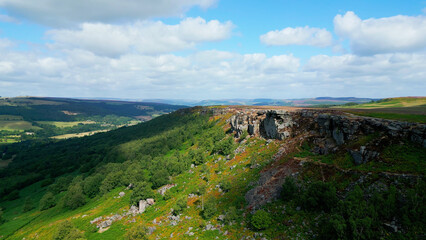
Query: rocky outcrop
point(274, 124)
point(363, 155)
point(329, 131)
point(143, 204)
point(281, 124)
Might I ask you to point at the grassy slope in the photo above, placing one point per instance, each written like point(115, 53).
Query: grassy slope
point(409, 109)
point(43, 224)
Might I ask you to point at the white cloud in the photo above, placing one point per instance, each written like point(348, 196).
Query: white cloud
point(143, 37)
point(383, 35)
point(7, 18)
point(298, 36)
point(57, 13)
point(5, 43)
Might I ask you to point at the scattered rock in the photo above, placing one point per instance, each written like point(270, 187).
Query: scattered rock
point(151, 230)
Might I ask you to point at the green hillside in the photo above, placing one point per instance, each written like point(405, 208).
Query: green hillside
point(411, 109)
point(53, 190)
point(29, 118)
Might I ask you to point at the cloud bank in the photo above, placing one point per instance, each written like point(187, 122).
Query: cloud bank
point(64, 13)
point(382, 35)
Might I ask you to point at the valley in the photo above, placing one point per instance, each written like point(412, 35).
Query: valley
point(35, 118)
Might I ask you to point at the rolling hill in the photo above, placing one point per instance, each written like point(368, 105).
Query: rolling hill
point(26, 118)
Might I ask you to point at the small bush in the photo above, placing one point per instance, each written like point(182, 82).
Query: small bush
point(141, 191)
point(47, 201)
point(180, 205)
point(225, 185)
point(12, 196)
point(137, 232)
point(289, 189)
point(231, 214)
point(1, 217)
point(67, 231)
point(28, 205)
point(210, 208)
point(261, 220)
point(319, 196)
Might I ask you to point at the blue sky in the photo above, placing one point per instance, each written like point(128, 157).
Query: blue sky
point(212, 49)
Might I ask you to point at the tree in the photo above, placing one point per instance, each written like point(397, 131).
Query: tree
point(141, 191)
point(91, 185)
point(47, 201)
point(261, 220)
point(159, 178)
point(111, 181)
point(75, 197)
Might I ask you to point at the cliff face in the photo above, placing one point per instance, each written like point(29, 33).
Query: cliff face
point(327, 131)
point(282, 124)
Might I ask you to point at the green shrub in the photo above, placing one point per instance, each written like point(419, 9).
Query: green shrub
point(91, 185)
point(180, 205)
point(141, 191)
point(47, 201)
point(210, 208)
point(1, 217)
point(75, 197)
point(159, 178)
point(12, 196)
point(319, 196)
point(111, 181)
point(333, 227)
point(225, 147)
point(67, 231)
point(261, 220)
point(28, 205)
point(289, 190)
point(225, 185)
point(231, 214)
point(137, 232)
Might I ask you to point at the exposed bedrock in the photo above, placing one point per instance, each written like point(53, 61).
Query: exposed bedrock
point(328, 131)
point(281, 124)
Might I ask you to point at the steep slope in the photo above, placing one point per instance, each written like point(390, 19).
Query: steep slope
point(276, 173)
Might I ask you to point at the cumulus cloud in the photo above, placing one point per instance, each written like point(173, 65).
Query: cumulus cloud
point(298, 36)
point(57, 13)
point(143, 37)
point(382, 35)
point(210, 74)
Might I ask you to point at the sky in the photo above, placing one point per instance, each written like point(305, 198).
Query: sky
point(212, 49)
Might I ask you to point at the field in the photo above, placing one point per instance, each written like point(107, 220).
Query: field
point(404, 109)
point(73, 135)
point(66, 124)
point(17, 125)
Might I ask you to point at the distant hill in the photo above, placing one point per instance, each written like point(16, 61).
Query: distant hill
point(393, 102)
point(26, 118)
point(411, 109)
point(303, 102)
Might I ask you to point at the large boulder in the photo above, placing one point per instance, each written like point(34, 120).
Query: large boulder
point(142, 206)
